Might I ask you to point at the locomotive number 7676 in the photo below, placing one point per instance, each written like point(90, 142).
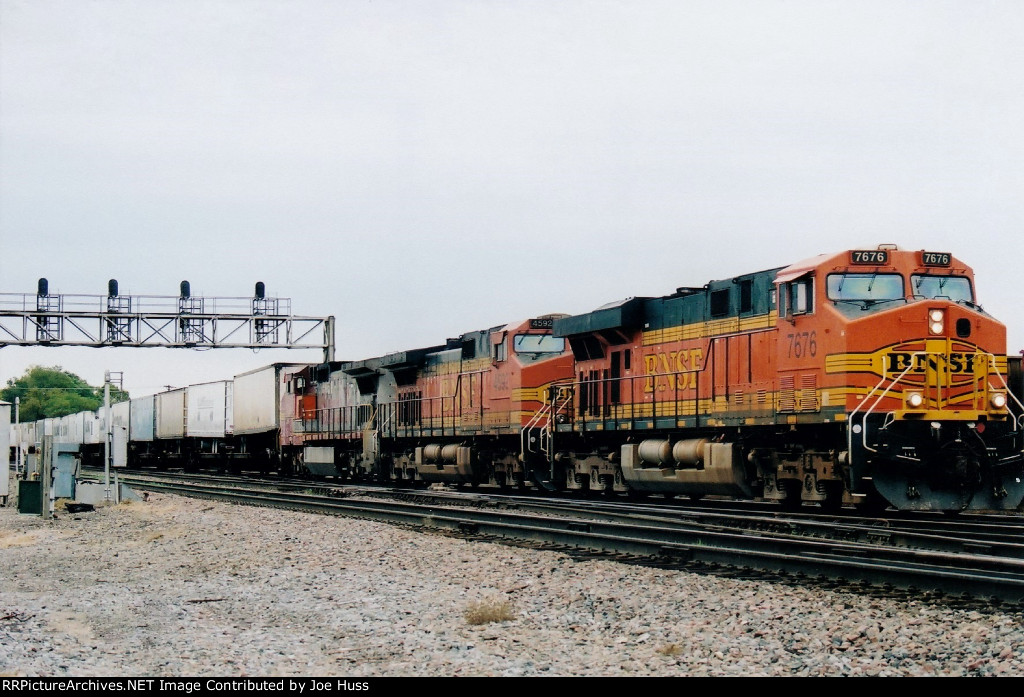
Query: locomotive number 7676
point(802, 344)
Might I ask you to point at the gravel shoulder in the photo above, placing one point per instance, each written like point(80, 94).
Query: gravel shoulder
point(178, 587)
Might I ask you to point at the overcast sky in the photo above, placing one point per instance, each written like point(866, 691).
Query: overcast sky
point(423, 169)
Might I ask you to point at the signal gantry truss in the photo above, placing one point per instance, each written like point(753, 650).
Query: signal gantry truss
point(156, 320)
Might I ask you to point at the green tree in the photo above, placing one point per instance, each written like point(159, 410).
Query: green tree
point(52, 392)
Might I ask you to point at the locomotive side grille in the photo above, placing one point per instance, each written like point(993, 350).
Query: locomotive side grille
point(793, 399)
point(787, 393)
point(808, 394)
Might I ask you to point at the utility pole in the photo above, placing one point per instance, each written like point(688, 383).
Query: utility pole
point(47, 478)
point(17, 446)
point(106, 439)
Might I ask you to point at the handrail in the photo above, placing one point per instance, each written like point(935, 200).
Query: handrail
point(548, 409)
point(1018, 420)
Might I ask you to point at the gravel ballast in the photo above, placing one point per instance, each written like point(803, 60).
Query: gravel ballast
point(179, 587)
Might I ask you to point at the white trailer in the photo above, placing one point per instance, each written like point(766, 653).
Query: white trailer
point(170, 414)
point(209, 410)
point(142, 419)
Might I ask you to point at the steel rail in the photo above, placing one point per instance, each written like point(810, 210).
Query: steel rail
point(997, 535)
point(874, 531)
point(1000, 539)
point(976, 575)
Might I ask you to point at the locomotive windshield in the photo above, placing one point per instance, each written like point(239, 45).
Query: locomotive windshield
point(956, 288)
point(865, 286)
point(538, 343)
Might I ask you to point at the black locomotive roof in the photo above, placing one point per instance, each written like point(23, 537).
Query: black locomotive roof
point(744, 295)
point(622, 313)
point(407, 359)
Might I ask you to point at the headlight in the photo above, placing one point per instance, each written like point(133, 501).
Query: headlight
point(997, 400)
point(915, 400)
point(936, 321)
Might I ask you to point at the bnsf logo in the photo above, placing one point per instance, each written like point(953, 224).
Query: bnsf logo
point(953, 362)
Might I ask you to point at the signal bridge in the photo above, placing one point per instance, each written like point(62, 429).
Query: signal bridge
point(183, 321)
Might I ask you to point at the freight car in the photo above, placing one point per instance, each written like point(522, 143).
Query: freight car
point(191, 427)
point(238, 424)
point(264, 418)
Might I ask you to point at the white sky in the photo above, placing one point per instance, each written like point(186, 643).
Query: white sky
point(423, 169)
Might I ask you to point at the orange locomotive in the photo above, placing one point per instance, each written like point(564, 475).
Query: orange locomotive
point(458, 413)
point(868, 376)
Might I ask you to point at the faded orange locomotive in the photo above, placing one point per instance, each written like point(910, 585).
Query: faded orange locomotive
point(868, 376)
point(461, 412)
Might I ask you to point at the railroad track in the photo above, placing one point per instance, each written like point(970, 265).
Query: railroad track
point(914, 557)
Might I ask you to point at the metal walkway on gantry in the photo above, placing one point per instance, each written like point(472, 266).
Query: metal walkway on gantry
point(183, 321)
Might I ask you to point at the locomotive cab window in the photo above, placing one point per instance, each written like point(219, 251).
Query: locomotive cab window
point(864, 287)
point(955, 288)
point(538, 343)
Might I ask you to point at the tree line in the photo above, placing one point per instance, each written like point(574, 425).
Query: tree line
point(49, 392)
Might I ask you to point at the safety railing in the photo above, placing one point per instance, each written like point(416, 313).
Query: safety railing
point(1018, 418)
point(557, 401)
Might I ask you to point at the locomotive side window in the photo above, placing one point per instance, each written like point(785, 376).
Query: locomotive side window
point(864, 286)
point(953, 287)
point(501, 352)
point(799, 296)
